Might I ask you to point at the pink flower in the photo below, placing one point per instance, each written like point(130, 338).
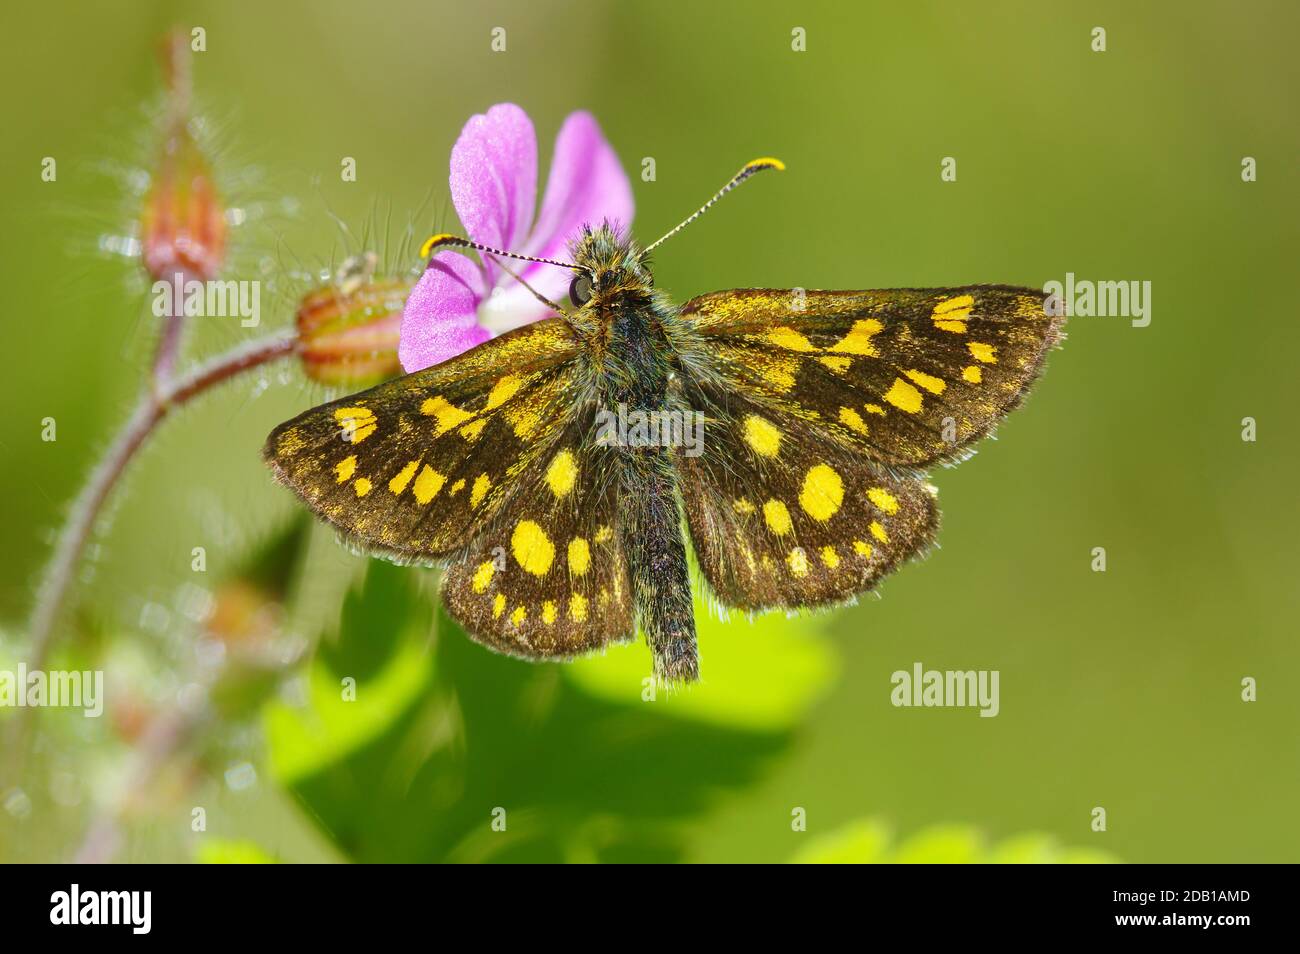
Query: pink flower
point(460, 303)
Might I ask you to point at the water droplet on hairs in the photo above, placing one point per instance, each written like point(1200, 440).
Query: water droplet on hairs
point(194, 602)
point(294, 692)
point(126, 246)
point(191, 698)
point(154, 617)
point(241, 776)
point(18, 804)
point(65, 789)
point(211, 653)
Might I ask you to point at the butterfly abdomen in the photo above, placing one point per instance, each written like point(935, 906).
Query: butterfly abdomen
point(637, 376)
point(650, 527)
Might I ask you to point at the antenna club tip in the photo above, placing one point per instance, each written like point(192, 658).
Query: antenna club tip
point(434, 241)
point(765, 162)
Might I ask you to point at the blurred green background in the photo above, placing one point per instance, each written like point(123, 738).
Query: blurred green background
point(1119, 689)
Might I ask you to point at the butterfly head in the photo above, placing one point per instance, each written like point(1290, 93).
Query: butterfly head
point(607, 269)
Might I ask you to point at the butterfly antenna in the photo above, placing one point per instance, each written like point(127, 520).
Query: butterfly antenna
point(446, 238)
point(756, 165)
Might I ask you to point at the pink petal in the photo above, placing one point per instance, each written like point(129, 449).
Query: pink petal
point(586, 186)
point(440, 318)
point(494, 177)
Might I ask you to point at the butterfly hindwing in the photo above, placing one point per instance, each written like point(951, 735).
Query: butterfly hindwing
point(783, 518)
point(417, 466)
point(911, 376)
point(548, 577)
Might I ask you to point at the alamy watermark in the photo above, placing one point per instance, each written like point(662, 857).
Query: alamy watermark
point(666, 428)
point(56, 689)
point(75, 906)
point(1088, 299)
point(947, 688)
point(211, 299)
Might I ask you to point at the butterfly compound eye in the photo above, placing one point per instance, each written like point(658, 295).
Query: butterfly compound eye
point(580, 290)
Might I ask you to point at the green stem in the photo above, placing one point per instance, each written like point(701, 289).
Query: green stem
point(160, 398)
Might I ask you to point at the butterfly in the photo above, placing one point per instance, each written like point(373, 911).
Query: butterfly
point(552, 470)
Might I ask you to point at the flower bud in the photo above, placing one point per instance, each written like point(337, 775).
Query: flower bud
point(348, 330)
point(183, 223)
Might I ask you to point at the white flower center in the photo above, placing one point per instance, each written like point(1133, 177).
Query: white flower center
point(501, 311)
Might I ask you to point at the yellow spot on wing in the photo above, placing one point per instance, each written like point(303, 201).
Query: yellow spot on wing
point(858, 340)
point(483, 575)
point(482, 484)
point(777, 517)
point(445, 413)
point(532, 547)
point(852, 420)
point(983, 352)
point(503, 391)
point(798, 561)
point(548, 612)
point(519, 615)
point(762, 435)
point(403, 477)
point(883, 499)
point(577, 607)
point(903, 396)
point(928, 381)
point(579, 556)
point(498, 605)
point(951, 314)
point(524, 418)
point(878, 532)
point(562, 473)
point(862, 549)
point(472, 430)
point(972, 374)
point(789, 339)
point(290, 443)
point(362, 486)
point(346, 468)
point(458, 486)
point(838, 365)
point(823, 492)
point(950, 305)
point(742, 506)
point(427, 485)
point(358, 423)
point(875, 409)
point(604, 534)
point(830, 557)
point(779, 373)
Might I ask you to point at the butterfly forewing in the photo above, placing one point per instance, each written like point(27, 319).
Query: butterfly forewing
point(417, 467)
point(911, 376)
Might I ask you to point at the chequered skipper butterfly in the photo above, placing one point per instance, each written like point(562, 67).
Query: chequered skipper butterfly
point(822, 411)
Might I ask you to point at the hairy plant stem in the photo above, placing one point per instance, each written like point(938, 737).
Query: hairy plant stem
point(160, 398)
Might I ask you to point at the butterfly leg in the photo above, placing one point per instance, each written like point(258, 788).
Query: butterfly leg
point(656, 554)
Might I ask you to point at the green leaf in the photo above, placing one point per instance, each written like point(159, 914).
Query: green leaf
point(868, 842)
point(464, 736)
point(223, 851)
point(762, 675)
point(383, 644)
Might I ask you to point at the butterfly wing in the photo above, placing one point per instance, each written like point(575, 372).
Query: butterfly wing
point(783, 518)
point(912, 377)
point(548, 577)
point(418, 466)
point(822, 409)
